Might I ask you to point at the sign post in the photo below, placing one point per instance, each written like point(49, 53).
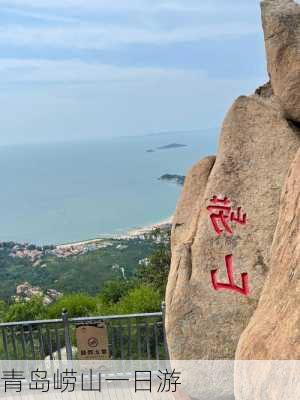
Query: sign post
point(92, 342)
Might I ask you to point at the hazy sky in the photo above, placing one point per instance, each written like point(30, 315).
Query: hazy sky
point(72, 69)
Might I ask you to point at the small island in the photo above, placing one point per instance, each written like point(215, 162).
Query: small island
point(167, 147)
point(178, 179)
point(171, 146)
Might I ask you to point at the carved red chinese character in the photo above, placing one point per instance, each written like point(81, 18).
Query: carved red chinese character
point(223, 214)
point(231, 285)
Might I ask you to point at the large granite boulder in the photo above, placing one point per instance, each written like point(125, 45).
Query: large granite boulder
point(281, 24)
point(187, 207)
point(256, 148)
point(274, 330)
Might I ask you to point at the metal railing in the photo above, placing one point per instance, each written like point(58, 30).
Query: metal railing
point(130, 337)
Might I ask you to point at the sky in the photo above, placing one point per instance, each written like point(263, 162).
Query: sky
point(86, 69)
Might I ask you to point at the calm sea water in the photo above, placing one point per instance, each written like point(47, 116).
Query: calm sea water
point(59, 193)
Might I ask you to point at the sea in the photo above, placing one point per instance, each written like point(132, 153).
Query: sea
point(66, 192)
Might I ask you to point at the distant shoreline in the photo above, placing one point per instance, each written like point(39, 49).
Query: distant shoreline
point(146, 229)
point(131, 234)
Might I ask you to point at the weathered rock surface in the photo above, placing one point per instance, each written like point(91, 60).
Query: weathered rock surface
point(256, 148)
point(274, 330)
point(193, 191)
point(281, 23)
point(265, 90)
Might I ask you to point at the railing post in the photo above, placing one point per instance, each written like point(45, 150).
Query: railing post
point(163, 310)
point(67, 335)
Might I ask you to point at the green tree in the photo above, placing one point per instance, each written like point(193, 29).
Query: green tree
point(141, 299)
point(155, 272)
point(3, 310)
point(27, 310)
point(77, 305)
point(114, 290)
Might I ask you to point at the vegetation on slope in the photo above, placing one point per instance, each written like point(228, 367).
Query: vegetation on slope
point(94, 291)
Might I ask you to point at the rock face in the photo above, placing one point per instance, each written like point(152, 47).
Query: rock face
point(221, 257)
point(194, 186)
point(281, 23)
point(274, 329)
point(256, 148)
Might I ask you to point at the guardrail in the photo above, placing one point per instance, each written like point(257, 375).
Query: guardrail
point(130, 337)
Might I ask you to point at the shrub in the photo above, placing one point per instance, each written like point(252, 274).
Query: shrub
point(27, 310)
point(113, 291)
point(141, 299)
point(3, 310)
point(156, 272)
point(77, 305)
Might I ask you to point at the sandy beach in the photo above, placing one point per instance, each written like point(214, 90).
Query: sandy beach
point(147, 229)
point(134, 233)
